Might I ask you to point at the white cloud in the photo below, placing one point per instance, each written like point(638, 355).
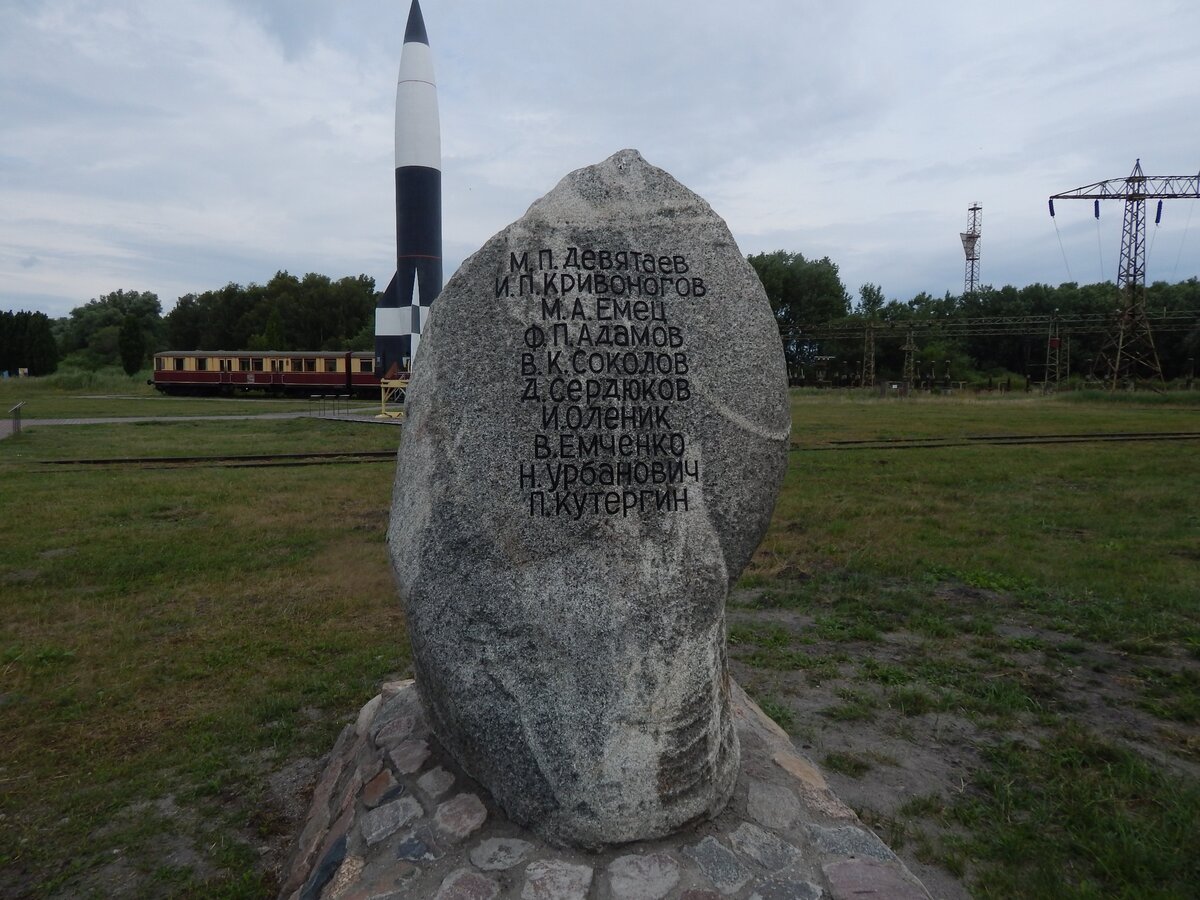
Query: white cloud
point(175, 145)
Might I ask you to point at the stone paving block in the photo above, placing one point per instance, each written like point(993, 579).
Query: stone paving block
point(460, 816)
point(379, 790)
point(366, 715)
point(463, 884)
point(764, 848)
point(344, 880)
point(772, 805)
point(699, 895)
point(649, 877)
point(846, 840)
point(497, 854)
point(812, 785)
point(718, 864)
point(398, 729)
point(329, 863)
point(409, 756)
point(388, 819)
point(869, 879)
point(418, 846)
point(784, 888)
point(435, 782)
point(402, 703)
point(556, 879)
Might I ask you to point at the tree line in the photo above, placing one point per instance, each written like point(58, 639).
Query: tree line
point(316, 312)
point(126, 327)
point(810, 292)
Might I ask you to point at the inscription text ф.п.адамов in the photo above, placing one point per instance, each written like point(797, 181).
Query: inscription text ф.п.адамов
point(608, 374)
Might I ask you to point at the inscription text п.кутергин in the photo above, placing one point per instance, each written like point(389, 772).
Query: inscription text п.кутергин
point(608, 374)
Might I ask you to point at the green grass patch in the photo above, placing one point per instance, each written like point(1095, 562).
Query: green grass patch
point(847, 764)
point(1079, 817)
point(180, 632)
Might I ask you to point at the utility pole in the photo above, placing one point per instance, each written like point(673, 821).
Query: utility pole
point(1129, 349)
point(970, 242)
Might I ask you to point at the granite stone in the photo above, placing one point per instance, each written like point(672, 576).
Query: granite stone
point(556, 879)
point(856, 879)
point(597, 429)
point(718, 864)
point(847, 840)
point(379, 824)
point(435, 782)
point(782, 888)
point(409, 756)
point(497, 854)
point(772, 805)
point(463, 884)
point(380, 789)
point(648, 877)
point(763, 847)
point(461, 816)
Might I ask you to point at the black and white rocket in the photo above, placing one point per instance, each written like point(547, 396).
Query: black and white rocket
point(404, 307)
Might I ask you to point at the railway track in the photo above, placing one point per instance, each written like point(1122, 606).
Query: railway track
point(235, 461)
point(1001, 440)
point(232, 461)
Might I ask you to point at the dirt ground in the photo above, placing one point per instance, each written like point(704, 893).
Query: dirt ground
point(878, 757)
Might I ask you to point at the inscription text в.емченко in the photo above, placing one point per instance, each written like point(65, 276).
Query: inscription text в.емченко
point(607, 372)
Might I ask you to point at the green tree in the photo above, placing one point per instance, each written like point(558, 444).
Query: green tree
point(132, 345)
point(870, 300)
point(90, 333)
point(801, 292)
point(27, 342)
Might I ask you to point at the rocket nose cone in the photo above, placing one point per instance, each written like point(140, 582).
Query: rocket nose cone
point(414, 31)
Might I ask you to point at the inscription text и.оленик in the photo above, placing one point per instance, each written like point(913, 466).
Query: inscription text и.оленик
point(608, 373)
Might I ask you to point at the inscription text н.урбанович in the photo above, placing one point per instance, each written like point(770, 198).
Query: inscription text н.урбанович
point(608, 373)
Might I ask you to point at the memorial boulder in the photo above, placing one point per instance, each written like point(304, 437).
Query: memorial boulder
point(596, 433)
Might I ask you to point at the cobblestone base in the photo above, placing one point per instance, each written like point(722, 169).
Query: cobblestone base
point(392, 817)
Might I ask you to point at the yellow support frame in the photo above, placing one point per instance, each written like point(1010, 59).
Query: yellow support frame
point(392, 390)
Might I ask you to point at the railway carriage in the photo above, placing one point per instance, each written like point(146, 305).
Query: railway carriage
point(278, 372)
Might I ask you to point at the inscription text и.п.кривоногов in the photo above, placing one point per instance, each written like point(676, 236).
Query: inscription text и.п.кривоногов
point(608, 373)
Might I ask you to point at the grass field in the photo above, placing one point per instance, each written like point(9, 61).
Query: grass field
point(81, 395)
point(1009, 633)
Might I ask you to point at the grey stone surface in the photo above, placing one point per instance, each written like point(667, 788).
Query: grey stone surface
point(772, 805)
point(847, 840)
point(380, 823)
point(435, 782)
point(638, 877)
point(463, 884)
point(415, 860)
point(564, 596)
point(718, 864)
point(497, 854)
point(556, 879)
point(856, 879)
point(783, 888)
point(460, 816)
point(763, 847)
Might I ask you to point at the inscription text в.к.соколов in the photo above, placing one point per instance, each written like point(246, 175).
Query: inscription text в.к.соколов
point(608, 374)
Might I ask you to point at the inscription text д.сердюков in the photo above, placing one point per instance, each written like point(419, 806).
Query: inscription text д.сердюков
point(608, 372)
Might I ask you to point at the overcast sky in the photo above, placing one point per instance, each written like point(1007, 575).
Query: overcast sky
point(177, 145)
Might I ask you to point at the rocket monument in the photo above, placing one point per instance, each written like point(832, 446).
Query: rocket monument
point(404, 307)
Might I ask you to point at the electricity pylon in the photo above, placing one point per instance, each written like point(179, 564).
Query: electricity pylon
point(1129, 350)
point(970, 241)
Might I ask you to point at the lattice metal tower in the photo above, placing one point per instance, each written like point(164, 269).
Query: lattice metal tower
point(1055, 356)
point(970, 241)
point(1129, 351)
point(910, 368)
point(868, 361)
